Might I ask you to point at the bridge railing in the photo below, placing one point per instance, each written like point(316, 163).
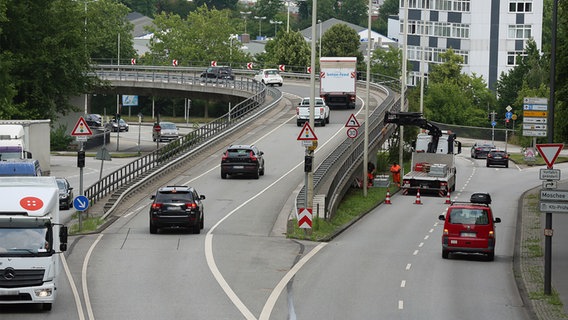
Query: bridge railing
point(121, 179)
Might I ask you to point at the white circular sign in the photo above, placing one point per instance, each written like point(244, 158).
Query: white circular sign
point(352, 132)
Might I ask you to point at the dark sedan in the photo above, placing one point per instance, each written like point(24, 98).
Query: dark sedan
point(481, 149)
point(65, 193)
point(497, 158)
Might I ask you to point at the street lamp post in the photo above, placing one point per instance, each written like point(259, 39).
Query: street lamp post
point(319, 22)
point(288, 19)
point(259, 26)
point(245, 15)
point(275, 23)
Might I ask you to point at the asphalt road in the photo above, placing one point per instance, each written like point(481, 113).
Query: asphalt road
point(388, 265)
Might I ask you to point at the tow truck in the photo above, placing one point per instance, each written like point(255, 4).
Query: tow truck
point(433, 159)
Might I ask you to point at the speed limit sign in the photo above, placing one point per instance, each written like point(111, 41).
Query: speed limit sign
point(352, 132)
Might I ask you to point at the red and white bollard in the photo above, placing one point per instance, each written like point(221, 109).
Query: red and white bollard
point(388, 197)
point(418, 201)
point(448, 198)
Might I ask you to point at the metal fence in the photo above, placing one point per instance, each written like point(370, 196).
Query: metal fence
point(334, 176)
point(116, 183)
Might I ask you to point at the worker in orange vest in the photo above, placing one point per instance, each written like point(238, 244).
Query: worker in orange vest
point(395, 170)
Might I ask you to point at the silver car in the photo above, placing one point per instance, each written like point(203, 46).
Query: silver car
point(168, 132)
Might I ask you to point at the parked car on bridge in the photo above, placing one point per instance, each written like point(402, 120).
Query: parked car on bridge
point(217, 73)
point(269, 77)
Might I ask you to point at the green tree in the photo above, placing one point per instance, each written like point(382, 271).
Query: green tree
point(454, 97)
point(388, 8)
point(387, 62)
point(202, 37)
point(341, 41)
point(106, 19)
point(289, 48)
point(44, 47)
point(353, 11)
point(561, 87)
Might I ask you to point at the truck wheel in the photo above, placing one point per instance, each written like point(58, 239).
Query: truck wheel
point(46, 306)
point(223, 175)
point(322, 122)
point(327, 119)
point(445, 254)
point(298, 123)
point(491, 256)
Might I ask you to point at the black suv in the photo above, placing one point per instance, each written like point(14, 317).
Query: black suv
point(218, 73)
point(176, 206)
point(242, 159)
point(497, 157)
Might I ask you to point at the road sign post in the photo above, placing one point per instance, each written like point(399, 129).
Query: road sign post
point(550, 152)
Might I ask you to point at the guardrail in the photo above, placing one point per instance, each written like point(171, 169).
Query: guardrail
point(334, 176)
point(135, 171)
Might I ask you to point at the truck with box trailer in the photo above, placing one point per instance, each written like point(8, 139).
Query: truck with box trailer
point(338, 81)
point(12, 142)
point(433, 166)
point(31, 240)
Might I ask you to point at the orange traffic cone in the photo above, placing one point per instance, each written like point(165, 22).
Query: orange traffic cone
point(448, 198)
point(418, 201)
point(388, 197)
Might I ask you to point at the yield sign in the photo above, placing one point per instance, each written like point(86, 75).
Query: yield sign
point(81, 128)
point(305, 218)
point(307, 133)
point(352, 122)
point(549, 152)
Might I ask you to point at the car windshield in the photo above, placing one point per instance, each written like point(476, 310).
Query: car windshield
point(61, 184)
point(168, 126)
point(271, 72)
point(469, 216)
point(23, 240)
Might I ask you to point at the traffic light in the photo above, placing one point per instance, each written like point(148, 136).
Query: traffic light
point(308, 163)
point(81, 159)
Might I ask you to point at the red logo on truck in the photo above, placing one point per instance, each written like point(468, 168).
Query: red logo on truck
point(31, 203)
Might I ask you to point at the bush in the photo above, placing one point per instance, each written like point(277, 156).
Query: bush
point(60, 140)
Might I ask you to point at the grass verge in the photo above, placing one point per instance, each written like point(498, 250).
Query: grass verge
point(353, 206)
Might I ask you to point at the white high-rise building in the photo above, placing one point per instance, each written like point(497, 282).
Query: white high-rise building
point(488, 34)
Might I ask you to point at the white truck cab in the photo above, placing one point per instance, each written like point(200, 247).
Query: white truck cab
point(31, 240)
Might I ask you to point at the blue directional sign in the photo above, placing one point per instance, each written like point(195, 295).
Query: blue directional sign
point(493, 123)
point(81, 203)
point(508, 115)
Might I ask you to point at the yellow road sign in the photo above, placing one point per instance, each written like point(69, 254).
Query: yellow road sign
point(535, 114)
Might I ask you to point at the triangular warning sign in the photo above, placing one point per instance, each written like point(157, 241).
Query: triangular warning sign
point(549, 152)
point(307, 133)
point(81, 128)
point(352, 122)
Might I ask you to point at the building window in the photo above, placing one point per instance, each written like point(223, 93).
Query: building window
point(461, 5)
point(442, 5)
point(460, 31)
point(514, 58)
point(519, 31)
point(520, 6)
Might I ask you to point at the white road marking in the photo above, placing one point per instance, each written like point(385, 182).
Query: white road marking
point(415, 252)
point(421, 244)
point(408, 266)
point(84, 278)
point(426, 237)
point(403, 283)
point(73, 288)
point(400, 304)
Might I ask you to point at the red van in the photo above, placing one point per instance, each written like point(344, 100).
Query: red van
point(469, 227)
